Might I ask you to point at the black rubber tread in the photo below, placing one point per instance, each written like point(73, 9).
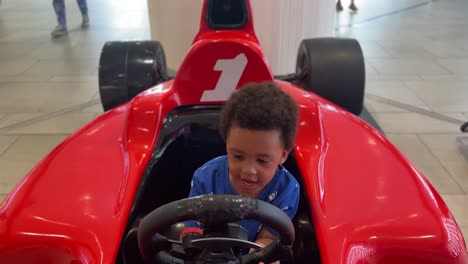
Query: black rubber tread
point(333, 68)
point(464, 127)
point(127, 68)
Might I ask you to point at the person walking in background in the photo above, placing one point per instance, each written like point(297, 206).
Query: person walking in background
point(352, 6)
point(59, 7)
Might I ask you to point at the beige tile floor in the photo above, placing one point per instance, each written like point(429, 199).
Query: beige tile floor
point(416, 55)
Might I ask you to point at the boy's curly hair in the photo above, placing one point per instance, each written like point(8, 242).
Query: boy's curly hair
point(261, 106)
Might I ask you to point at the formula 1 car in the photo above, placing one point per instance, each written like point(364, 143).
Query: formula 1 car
point(115, 191)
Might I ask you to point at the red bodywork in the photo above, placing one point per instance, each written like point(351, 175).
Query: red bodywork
point(369, 204)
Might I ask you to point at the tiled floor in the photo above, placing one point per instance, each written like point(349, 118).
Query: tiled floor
point(416, 55)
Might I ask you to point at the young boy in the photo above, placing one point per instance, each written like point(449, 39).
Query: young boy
point(259, 124)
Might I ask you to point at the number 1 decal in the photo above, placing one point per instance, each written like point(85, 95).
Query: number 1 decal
point(231, 72)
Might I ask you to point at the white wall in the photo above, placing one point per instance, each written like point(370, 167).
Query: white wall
point(280, 26)
point(174, 23)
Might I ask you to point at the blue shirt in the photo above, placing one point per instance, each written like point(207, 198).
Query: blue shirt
point(282, 191)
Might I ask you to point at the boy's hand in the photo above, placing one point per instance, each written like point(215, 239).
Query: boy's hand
point(254, 250)
point(261, 247)
point(276, 262)
point(263, 239)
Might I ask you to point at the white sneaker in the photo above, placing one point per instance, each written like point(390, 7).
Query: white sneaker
point(59, 31)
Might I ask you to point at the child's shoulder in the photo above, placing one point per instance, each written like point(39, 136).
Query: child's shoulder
point(285, 178)
point(283, 185)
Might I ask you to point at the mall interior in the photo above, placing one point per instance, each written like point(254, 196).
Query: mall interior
point(416, 85)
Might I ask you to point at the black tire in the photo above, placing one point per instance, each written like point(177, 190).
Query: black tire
point(464, 127)
point(128, 68)
point(333, 68)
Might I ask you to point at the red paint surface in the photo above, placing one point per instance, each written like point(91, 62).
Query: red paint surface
point(369, 203)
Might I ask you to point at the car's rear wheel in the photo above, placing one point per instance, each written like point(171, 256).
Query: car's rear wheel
point(128, 68)
point(334, 69)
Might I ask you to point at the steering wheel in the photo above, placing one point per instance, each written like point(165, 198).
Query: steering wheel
point(210, 211)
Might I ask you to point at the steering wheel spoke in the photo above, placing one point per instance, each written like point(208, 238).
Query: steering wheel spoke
point(223, 242)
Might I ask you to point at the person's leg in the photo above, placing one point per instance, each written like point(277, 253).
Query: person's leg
point(339, 6)
point(84, 12)
point(59, 7)
point(83, 7)
point(61, 28)
point(353, 6)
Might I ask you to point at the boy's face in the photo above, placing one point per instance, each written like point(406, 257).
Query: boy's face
point(253, 157)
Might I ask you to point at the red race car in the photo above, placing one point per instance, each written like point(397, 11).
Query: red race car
point(115, 191)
